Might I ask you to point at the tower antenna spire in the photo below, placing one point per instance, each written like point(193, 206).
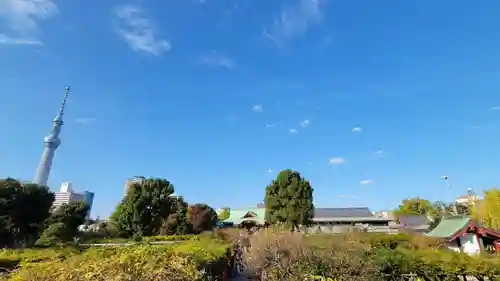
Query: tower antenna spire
point(51, 143)
point(60, 114)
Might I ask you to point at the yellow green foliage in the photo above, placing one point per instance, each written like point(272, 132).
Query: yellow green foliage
point(177, 261)
point(487, 210)
point(171, 237)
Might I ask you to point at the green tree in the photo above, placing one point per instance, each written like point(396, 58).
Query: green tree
point(289, 200)
point(487, 210)
point(177, 222)
point(415, 206)
point(63, 223)
point(224, 213)
point(201, 217)
point(143, 210)
point(23, 209)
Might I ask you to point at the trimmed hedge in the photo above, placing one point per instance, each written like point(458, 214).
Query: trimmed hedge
point(434, 264)
point(188, 260)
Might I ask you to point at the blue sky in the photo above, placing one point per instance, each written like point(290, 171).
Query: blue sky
point(372, 101)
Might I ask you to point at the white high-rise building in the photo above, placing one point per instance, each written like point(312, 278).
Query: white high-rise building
point(67, 195)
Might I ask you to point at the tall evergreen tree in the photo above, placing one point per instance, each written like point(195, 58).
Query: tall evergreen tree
point(144, 208)
point(289, 200)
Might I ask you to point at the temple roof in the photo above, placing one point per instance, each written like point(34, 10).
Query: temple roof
point(448, 227)
point(342, 212)
point(237, 216)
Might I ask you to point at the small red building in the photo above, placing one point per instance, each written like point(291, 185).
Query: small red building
point(465, 235)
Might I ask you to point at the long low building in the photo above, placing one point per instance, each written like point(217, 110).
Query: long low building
point(334, 220)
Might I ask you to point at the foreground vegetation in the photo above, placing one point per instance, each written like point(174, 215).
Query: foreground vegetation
point(194, 259)
point(288, 256)
point(273, 255)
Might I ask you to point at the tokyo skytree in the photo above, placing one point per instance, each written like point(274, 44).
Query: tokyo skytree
point(51, 143)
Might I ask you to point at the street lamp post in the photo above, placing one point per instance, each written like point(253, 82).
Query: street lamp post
point(446, 180)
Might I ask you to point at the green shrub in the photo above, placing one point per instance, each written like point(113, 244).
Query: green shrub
point(188, 260)
point(363, 256)
point(432, 263)
point(171, 238)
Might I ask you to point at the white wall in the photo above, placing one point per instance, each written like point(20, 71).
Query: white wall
point(469, 242)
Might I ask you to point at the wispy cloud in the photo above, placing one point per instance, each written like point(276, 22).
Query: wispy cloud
point(294, 21)
point(293, 131)
point(216, 59)
point(336, 160)
point(21, 19)
point(270, 125)
point(139, 32)
point(495, 108)
point(365, 182)
point(5, 40)
point(270, 170)
point(304, 123)
point(258, 108)
point(84, 120)
point(379, 153)
point(357, 130)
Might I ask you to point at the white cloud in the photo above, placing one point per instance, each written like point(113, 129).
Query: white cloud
point(495, 108)
point(21, 19)
point(270, 125)
point(305, 123)
point(84, 120)
point(365, 182)
point(217, 59)
point(139, 32)
point(5, 40)
point(293, 131)
point(270, 171)
point(357, 129)
point(379, 153)
point(258, 108)
point(336, 160)
point(294, 21)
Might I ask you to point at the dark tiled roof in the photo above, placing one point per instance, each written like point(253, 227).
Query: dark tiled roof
point(342, 212)
point(412, 220)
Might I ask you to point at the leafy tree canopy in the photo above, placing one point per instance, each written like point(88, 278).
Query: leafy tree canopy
point(289, 199)
point(202, 217)
point(487, 210)
point(144, 208)
point(177, 222)
point(414, 206)
point(224, 213)
point(23, 209)
point(63, 223)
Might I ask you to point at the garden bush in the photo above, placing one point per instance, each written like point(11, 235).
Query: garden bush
point(433, 264)
point(171, 238)
point(291, 256)
point(188, 260)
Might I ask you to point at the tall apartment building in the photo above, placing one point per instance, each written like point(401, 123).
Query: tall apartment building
point(67, 195)
point(130, 182)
